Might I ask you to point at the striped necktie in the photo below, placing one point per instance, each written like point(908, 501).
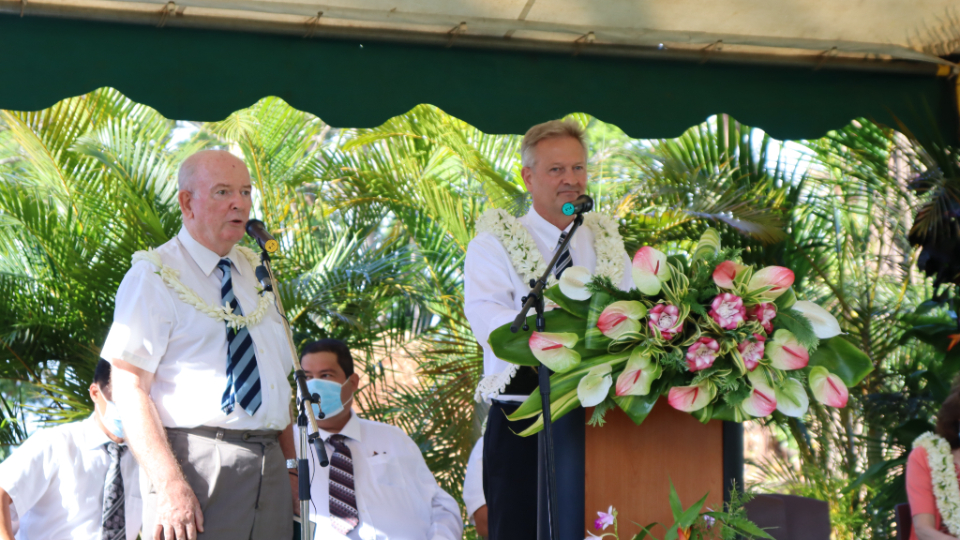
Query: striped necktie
point(343, 499)
point(113, 524)
point(565, 261)
point(243, 376)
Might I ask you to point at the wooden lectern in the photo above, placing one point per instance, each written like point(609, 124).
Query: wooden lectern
point(630, 467)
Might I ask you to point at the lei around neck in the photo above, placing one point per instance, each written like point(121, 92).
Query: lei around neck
point(943, 477)
point(171, 277)
point(526, 258)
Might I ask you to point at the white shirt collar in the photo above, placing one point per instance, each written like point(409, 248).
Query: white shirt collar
point(351, 429)
point(205, 258)
point(93, 436)
point(548, 232)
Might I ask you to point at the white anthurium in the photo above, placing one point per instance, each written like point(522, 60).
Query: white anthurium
point(786, 352)
point(638, 375)
point(621, 318)
point(555, 350)
point(650, 270)
point(792, 398)
point(595, 385)
point(828, 388)
point(825, 325)
point(762, 400)
point(573, 283)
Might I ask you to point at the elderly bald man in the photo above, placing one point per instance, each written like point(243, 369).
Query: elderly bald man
point(204, 403)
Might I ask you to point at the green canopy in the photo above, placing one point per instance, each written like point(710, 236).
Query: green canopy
point(353, 81)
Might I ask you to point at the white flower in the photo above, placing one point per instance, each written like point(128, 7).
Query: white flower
point(943, 476)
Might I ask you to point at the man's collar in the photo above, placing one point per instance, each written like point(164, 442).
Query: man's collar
point(351, 429)
point(205, 258)
point(93, 435)
point(543, 228)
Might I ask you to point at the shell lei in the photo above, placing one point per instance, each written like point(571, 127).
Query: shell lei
point(529, 264)
point(943, 476)
point(171, 277)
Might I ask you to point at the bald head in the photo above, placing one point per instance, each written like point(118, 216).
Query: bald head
point(215, 198)
point(202, 164)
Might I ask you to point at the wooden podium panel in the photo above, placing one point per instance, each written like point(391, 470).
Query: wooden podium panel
point(630, 466)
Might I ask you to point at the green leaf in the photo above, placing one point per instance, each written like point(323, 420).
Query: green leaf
point(563, 383)
point(795, 322)
point(675, 506)
point(578, 308)
point(515, 348)
point(645, 531)
point(691, 514)
point(748, 527)
point(843, 359)
point(638, 407)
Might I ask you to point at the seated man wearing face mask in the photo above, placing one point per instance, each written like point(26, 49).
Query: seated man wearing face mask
point(75, 480)
point(377, 485)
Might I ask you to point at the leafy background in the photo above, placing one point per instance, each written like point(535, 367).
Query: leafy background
point(374, 225)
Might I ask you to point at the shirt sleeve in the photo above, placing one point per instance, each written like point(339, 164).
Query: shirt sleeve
point(142, 320)
point(487, 287)
point(27, 473)
point(919, 486)
point(473, 497)
point(445, 520)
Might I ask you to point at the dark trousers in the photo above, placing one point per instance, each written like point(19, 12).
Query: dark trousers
point(509, 475)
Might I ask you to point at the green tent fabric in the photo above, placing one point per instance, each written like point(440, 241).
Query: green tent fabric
point(194, 74)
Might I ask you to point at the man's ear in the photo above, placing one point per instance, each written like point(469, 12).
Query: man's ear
point(185, 198)
point(354, 381)
point(526, 173)
point(94, 392)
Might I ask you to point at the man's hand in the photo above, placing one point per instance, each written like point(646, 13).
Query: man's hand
point(295, 493)
point(480, 521)
point(178, 513)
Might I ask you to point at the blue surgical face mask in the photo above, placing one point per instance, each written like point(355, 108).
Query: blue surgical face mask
point(111, 420)
point(329, 392)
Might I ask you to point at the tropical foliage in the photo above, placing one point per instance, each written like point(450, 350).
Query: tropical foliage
point(375, 223)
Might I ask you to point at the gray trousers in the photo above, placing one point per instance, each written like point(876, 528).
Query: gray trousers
point(240, 479)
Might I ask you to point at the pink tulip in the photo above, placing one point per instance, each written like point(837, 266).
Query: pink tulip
point(763, 313)
point(621, 318)
point(650, 270)
point(554, 349)
point(725, 273)
point(666, 319)
point(728, 311)
point(786, 352)
point(752, 351)
point(691, 398)
point(702, 354)
point(772, 281)
point(827, 388)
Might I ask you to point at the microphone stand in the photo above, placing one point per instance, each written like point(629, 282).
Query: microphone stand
point(305, 403)
point(534, 300)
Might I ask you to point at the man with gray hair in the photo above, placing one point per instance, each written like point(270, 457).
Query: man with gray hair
point(201, 362)
point(554, 159)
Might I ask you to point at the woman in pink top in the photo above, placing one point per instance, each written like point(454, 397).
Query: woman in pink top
point(927, 522)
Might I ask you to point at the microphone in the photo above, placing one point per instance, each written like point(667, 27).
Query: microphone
point(258, 231)
point(579, 205)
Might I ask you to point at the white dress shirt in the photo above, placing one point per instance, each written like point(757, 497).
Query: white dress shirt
point(398, 497)
point(187, 350)
point(493, 289)
point(56, 481)
point(473, 497)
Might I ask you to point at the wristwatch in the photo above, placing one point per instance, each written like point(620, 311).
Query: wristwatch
point(292, 464)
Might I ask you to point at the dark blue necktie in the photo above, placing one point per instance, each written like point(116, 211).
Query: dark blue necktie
point(243, 376)
point(565, 261)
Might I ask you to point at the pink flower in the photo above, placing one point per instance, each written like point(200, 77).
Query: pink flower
point(702, 354)
point(728, 311)
point(786, 352)
point(554, 349)
point(621, 318)
point(827, 388)
point(638, 375)
point(771, 282)
point(764, 314)
point(666, 319)
point(650, 270)
point(605, 520)
point(691, 398)
point(752, 351)
point(725, 273)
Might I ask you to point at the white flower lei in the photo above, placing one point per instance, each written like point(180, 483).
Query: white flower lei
point(943, 476)
point(526, 258)
point(529, 264)
point(171, 277)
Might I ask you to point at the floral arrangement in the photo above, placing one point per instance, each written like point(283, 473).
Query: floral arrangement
point(690, 523)
point(943, 476)
point(720, 339)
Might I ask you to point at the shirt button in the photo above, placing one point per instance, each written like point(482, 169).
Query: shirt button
point(271, 387)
